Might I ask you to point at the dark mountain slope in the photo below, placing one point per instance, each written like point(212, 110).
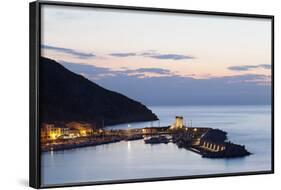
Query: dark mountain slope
point(66, 96)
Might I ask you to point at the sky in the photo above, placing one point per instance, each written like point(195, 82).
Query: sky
point(163, 58)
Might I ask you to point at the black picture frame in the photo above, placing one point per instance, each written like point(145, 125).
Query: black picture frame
point(34, 48)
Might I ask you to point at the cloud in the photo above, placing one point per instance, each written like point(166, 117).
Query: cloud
point(123, 54)
point(249, 67)
point(170, 56)
point(94, 72)
point(149, 53)
point(146, 72)
point(98, 73)
point(153, 70)
point(78, 54)
point(178, 90)
point(88, 71)
point(265, 66)
point(153, 54)
point(257, 79)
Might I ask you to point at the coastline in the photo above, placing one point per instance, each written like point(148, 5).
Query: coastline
point(208, 142)
point(151, 157)
point(80, 142)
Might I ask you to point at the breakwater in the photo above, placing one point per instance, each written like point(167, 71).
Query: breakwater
point(212, 144)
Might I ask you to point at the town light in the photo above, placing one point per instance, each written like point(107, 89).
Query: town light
point(83, 132)
point(53, 136)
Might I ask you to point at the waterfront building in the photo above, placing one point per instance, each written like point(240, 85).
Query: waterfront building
point(43, 134)
point(179, 123)
point(85, 129)
point(50, 132)
point(215, 147)
point(149, 130)
point(65, 133)
point(73, 133)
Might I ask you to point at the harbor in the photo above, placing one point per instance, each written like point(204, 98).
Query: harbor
point(137, 159)
point(208, 142)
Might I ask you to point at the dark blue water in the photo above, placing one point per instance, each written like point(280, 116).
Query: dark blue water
point(248, 125)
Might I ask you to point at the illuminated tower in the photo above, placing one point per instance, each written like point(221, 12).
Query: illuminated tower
point(179, 122)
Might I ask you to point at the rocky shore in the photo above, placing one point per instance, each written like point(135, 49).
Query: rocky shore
point(231, 151)
point(212, 144)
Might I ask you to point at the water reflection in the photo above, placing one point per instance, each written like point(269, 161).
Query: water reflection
point(129, 146)
point(135, 159)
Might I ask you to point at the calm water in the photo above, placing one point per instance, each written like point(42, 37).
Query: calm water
point(249, 125)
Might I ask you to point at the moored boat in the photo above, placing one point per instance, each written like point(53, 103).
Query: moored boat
point(157, 140)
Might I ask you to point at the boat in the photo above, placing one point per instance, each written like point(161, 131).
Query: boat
point(134, 137)
point(157, 140)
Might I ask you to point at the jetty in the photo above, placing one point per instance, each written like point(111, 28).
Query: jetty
point(212, 144)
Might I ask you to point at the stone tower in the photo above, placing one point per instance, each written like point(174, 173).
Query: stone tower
point(179, 122)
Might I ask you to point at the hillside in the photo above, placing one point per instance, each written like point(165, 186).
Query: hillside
point(65, 96)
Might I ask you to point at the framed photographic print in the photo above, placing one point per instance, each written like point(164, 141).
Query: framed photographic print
point(132, 94)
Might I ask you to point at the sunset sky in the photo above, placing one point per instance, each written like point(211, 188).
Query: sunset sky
point(105, 45)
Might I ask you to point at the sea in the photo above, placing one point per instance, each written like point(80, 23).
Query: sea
point(249, 125)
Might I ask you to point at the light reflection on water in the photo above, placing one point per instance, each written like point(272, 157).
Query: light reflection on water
point(129, 146)
point(249, 125)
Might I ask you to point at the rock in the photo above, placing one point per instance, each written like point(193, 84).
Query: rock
point(214, 135)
